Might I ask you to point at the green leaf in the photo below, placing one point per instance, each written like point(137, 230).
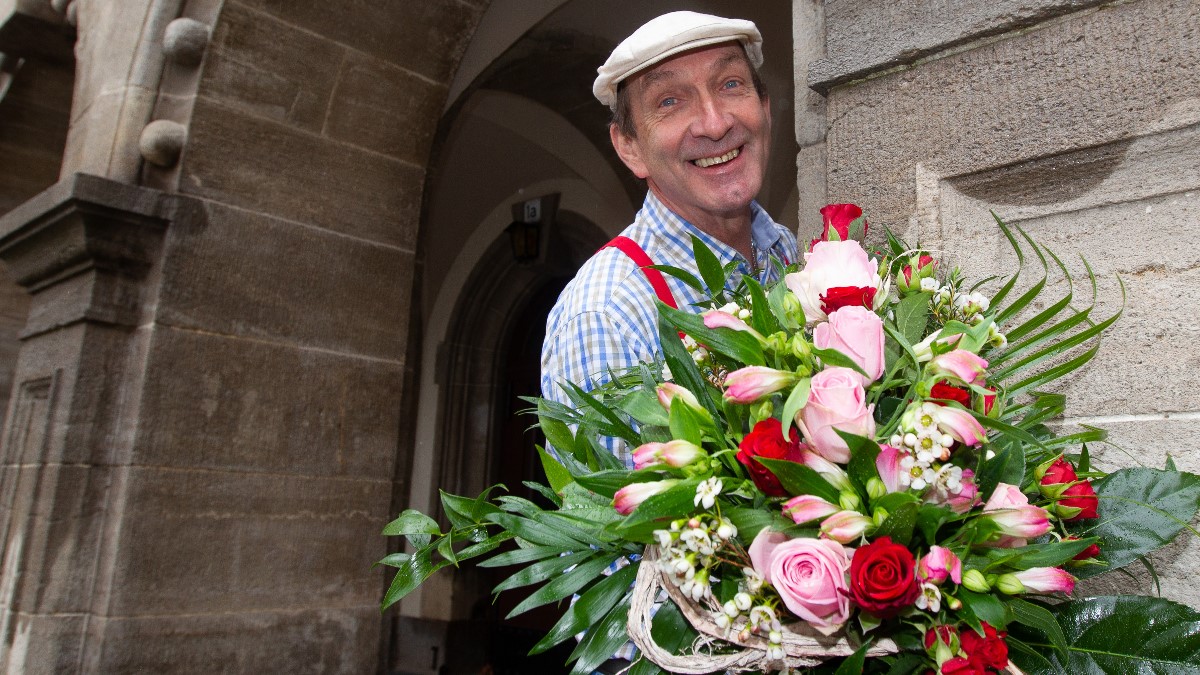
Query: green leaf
point(1053, 554)
point(685, 423)
point(565, 584)
point(709, 266)
point(606, 483)
point(750, 521)
point(863, 452)
point(930, 518)
point(735, 344)
point(682, 275)
point(1008, 466)
point(643, 406)
point(543, 570)
point(796, 400)
point(522, 555)
point(602, 639)
point(853, 664)
point(1041, 620)
point(912, 315)
point(650, 515)
point(832, 357)
point(1117, 635)
point(762, 319)
point(798, 479)
point(412, 573)
point(590, 608)
point(683, 368)
point(985, 607)
point(556, 473)
point(775, 297)
point(415, 525)
point(615, 425)
point(535, 532)
point(899, 524)
point(1140, 510)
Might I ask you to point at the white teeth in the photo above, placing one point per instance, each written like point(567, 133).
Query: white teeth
point(713, 161)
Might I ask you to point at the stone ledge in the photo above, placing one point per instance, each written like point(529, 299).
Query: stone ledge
point(855, 49)
point(92, 237)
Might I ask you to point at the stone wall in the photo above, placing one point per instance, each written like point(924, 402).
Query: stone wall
point(203, 449)
point(1080, 122)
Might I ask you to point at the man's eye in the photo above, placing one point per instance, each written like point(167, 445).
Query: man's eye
point(731, 84)
point(667, 102)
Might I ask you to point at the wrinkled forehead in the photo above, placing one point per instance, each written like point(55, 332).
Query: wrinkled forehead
point(717, 58)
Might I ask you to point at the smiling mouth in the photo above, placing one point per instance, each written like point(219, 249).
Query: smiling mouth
point(705, 162)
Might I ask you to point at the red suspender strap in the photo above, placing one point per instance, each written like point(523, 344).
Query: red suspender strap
point(630, 248)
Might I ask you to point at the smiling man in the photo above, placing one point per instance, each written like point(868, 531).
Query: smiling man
point(691, 117)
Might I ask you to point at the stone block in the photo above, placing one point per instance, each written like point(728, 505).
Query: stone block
point(325, 640)
point(857, 47)
point(194, 542)
point(103, 139)
point(425, 36)
point(248, 405)
point(251, 65)
point(334, 292)
point(44, 644)
point(267, 167)
point(1083, 81)
point(384, 108)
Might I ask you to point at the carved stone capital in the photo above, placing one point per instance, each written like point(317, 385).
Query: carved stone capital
point(83, 247)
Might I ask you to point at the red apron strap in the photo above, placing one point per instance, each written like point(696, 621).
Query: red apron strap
point(630, 248)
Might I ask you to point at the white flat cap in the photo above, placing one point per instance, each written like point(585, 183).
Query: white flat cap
point(666, 36)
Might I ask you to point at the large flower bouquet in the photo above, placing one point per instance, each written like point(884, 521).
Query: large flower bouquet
point(854, 470)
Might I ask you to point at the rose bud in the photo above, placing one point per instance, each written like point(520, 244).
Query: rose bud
point(836, 221)
point(631, 496)
point(940, 564)
point(836, 401)
point(1087, 553)
point(960, 365)
point(856, 332)
point(806, 508)
point(675, 454)
point(1076, 499)
point(752, 383)
point(918, 268)
point(845, 526)
point(766, 441)
point(1016, 519)
point(1036, 580)
point(945, 391)
point(669, 391)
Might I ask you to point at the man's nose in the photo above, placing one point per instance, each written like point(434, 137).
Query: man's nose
point(712, 120)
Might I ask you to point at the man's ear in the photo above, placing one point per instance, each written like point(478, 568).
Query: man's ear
point(629, 150)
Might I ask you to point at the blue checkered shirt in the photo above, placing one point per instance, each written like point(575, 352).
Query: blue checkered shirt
point(607, 317)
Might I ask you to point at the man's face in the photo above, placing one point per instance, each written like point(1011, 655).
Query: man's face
point(702, 133)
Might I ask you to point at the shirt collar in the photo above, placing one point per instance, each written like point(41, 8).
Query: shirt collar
point(762, 229)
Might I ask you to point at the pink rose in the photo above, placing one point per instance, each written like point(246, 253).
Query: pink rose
point(836, 400)
point(831, 265)
point(808, 574)
point(1016, 518)
point(856, 332)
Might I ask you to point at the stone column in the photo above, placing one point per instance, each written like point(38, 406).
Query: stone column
point(87, 251)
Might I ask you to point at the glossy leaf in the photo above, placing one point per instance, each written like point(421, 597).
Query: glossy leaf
point(735, 344)
point(1140, 510)
point(542, 570)
point(796, 400)
point(899, 524)
point(565, 584)
point(798, 479)
point(590, 608)
point(523, 555)
point(602, 640)
point(683, 368)
point(709, 266)
point(414, 525)
point(1118, 635)
point(912, 315)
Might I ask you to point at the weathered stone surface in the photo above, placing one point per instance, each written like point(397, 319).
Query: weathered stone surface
point(857, 47)
point(103, 139)
point(246, 405)
point(335, 292)
point(200, 541)
point(321, 640)
point(46, 644)
point(384, 108)
point(252, 66)
point(425, 36)
point(267, 167)
point(34, 116)
point(1084, 81)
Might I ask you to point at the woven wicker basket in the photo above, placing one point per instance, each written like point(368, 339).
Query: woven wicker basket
point(803, 646)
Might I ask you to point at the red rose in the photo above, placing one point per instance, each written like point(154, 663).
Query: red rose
point(1081, 495)
point(988, 650)
point(1089, 552)
point(839, 217)
point(1060, 471)
point(950, 392)
point(960, 666)
point(766, 440)
point(883, 578)
point(922, 262)
point(847, 296)
point(943, 633)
